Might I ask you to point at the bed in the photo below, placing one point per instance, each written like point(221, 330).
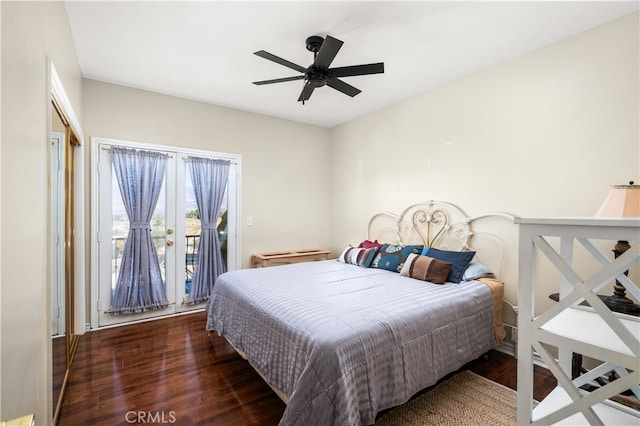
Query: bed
point(340, 341)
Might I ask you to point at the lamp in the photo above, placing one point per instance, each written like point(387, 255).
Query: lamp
point(622, 201)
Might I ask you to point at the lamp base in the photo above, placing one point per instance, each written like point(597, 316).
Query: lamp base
point(618, 301)
point(621, 304)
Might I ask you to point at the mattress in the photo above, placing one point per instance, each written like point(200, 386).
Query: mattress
point(343, 342)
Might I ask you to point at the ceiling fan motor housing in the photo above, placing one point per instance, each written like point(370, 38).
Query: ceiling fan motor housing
point(316, 77)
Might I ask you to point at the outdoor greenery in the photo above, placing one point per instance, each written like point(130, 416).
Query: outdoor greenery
point(192, 214)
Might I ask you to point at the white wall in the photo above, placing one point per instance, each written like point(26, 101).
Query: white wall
point(542, 135)
point(31, 33)
point(284, 164)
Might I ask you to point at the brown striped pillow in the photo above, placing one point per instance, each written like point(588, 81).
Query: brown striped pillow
point(358, 256)
point(426, 268)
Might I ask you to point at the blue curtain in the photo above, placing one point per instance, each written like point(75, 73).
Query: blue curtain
point(209, 178)
point(139, 286)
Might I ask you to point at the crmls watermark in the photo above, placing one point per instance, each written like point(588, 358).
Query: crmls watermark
point(153, 417)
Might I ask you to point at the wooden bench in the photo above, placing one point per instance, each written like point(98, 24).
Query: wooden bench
point(281, 258)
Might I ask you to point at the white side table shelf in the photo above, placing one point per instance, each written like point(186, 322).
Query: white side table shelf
point(595, 331)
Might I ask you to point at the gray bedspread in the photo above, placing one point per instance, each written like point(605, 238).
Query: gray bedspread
point(344, 342)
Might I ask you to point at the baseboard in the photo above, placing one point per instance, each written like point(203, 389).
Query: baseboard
point(124, 324)
point(507, 348)
point(510, 348)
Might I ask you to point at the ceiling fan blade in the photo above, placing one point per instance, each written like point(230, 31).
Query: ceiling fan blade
point(343, 87)
point(328, 51)
point(279, 60)
point(307, 90)
point(278, 80)
point(354, 70)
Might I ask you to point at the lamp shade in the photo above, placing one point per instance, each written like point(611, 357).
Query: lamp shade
point(622, 201)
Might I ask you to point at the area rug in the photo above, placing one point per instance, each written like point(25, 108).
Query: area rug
point(464, 399)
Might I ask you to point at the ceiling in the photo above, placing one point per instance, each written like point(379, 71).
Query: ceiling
point(204, 50)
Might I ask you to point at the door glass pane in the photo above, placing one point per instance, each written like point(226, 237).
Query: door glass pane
point(192, 231)
point(192, 228)
point(120, 230)
point(159, 230)
point(222, 226)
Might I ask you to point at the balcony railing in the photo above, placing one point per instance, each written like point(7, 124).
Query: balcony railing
point(191, 250)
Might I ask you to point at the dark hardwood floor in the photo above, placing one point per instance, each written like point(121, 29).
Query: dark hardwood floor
point(58, 366)
point(170, 372)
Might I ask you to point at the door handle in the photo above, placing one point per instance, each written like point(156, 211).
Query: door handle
point(169, 243)
point(169, 231)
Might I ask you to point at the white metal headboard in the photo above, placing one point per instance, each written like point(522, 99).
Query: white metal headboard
point(442, 225)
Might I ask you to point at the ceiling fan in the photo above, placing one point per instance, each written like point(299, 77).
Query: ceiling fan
point(318, 73)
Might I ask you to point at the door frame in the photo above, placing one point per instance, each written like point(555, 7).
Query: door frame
point(234, 261)
point(74, 282)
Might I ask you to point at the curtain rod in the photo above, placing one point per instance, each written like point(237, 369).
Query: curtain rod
point(138, 149)
point(155, 150)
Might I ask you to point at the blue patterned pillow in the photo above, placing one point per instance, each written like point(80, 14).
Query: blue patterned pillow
point(392, 256)
point(459, 260)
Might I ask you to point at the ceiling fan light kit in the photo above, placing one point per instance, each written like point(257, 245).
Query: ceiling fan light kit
point(319, 74)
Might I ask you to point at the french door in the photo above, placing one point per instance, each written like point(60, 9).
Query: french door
point(175, 230)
